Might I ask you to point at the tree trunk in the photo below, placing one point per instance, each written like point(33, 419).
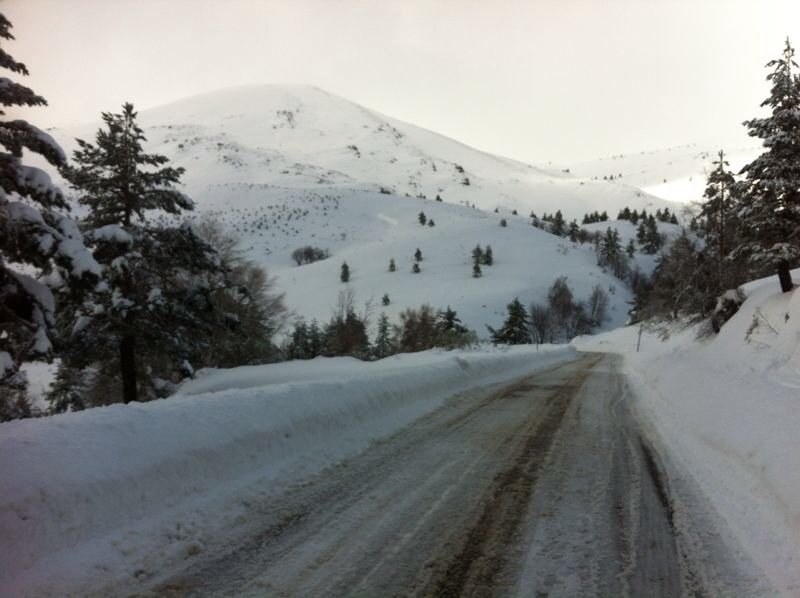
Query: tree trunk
point(785, 276)
point(127, 360)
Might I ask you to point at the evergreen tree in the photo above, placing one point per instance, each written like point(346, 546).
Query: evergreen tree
point(680, 283)
point(392, 266)
point(344, 273)
point(384, 344)
point(769, 209)
point(574, 231)
point(487, 259)
point(719, 214)
point(418, 255)
point(652, 238)
point(515, 329)
point(630, 249)
point(431, 223)
point(315, 340)
point(476, 270)
point(611, 253)
point(449, 322)
point(641, 232)
point(385, 299)
point(299, 345)
point(503, 222)
point(558, 225)
point(415, 268)
point(35, 238)
point(422, 218)
point(155, 300)
point(477, 254)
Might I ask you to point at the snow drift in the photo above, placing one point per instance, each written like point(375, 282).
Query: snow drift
point(728, 408)
point(83, 490)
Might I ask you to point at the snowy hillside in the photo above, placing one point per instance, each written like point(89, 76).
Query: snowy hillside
point(367, 229)
point(729, 409)
point(302, 136)
point(646, 263)
point(675, 173)
point(286, 167)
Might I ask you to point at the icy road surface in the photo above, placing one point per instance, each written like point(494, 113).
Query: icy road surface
point(544, 487)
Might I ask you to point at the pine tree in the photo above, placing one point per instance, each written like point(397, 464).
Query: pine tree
point(344, 273)
point(487, 259)
point(652, 238)
point(385, 299)
point(503, 222)
point(769, 209)
point(422, 218)
point(392, 266)
point(574, 231)
point(477, 254)
point(449, 322)
point(384, 344)
point(157, 281)
point(415, 268)
point(418, 255)
point(641, 232)
point(611, 253)
point(431, 223)
point(476, 270)
point(35, 238)
point(630, 249)
point(515, 329)
point(719, 214)
point(314, 340)
point(299, 344)
point(558, 225)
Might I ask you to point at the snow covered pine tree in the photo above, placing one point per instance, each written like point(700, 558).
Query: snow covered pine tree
point(769, 213)
point(34, 235)
point(157, 280)
point(516, 328)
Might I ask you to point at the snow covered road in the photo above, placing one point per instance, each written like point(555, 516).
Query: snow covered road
point(546, 486)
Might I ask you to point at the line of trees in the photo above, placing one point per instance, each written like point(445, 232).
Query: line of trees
point(561, 319)
point(346, 334)
point(749, 223)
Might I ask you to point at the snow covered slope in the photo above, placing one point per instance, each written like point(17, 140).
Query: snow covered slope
point(302, 136)
point(674, 173)
point(729, 409)
point(287, 166)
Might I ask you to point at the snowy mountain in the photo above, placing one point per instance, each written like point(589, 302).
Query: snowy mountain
point(286, 167)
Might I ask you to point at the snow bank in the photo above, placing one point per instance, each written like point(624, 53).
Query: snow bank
point(88, 493)
point(728, 409)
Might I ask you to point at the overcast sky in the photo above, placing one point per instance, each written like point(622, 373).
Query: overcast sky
point(536, 80)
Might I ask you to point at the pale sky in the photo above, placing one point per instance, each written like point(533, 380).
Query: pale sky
point(536, 80)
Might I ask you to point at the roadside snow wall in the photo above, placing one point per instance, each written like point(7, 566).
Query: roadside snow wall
point(70, 479)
